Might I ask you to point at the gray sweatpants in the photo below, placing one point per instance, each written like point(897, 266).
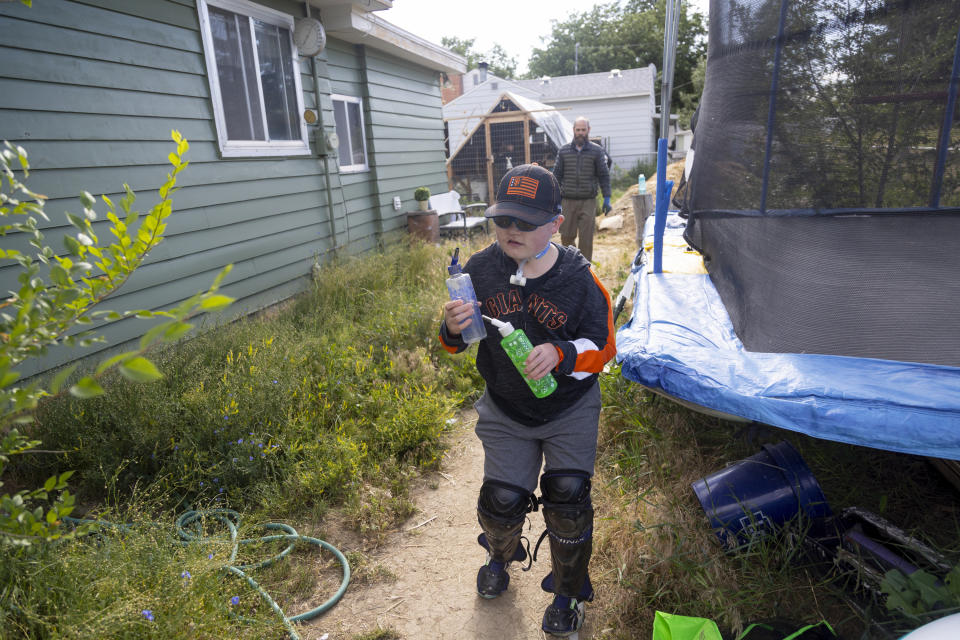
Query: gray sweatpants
point(514, 452)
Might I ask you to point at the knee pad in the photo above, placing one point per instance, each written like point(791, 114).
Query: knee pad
point(501, 510)
point(505, 502)
point(564, 486)
point(568, 514)
point(567, 510)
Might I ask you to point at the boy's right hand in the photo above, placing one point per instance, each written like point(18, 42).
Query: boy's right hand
point(457, 315)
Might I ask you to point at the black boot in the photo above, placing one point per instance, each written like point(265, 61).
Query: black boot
point(492, 578)
point(568, 514)
point(501, 511)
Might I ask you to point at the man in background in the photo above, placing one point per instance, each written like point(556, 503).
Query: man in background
point(581, 166)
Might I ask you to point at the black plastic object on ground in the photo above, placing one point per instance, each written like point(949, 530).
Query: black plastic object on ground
point(825, 189)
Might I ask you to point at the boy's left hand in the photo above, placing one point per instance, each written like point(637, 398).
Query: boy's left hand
point(541, 361)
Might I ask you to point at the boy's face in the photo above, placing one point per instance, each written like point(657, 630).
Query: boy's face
point(523, 245)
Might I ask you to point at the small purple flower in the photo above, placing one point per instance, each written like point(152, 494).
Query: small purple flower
point(251, 458)
point(201, 483)
point(186, 575)
point(260, 444)
point(209, 556)
point(146, 613)
point(221, 490)
point(226, 417)
point(216, 480)
point(240, 441)
point(275, 382)
point(235, 600)
point(235, 459)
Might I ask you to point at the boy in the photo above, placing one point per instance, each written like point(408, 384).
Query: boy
point(552, 294)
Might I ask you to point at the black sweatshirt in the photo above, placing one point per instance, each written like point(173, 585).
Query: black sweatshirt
point(579, 172)
point(567, 306)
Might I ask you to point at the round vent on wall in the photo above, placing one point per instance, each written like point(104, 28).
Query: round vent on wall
point(309, 36)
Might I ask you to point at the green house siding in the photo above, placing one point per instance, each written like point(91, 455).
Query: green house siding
point(92, 89)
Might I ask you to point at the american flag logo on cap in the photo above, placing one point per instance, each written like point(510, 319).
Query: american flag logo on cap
point(523, 186)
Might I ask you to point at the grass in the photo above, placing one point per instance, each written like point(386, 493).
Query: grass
point(339, 399)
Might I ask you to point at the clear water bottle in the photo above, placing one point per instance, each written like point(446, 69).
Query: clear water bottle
point(460, 287)
point(641, 184)
point(518, 346)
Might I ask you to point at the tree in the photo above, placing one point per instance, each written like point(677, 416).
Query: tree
point(60, 292)
point(498, 62)
point(625, 36)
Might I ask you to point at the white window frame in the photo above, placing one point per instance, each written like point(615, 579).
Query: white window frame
point(251, 148)
point(341, 135)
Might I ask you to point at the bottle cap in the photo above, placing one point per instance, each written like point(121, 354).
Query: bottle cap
point(455, 267)
point(505, 328)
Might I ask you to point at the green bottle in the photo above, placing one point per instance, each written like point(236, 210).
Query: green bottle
point(517, 345)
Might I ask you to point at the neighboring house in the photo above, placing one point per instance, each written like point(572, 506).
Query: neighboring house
point(620, 105)
point(92, 89)
point(474, 78)
point(451, 87)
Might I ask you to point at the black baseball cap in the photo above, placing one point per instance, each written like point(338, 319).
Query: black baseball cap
point(527, 192)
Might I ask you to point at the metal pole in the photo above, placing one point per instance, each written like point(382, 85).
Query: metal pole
point(664, 186)
point(576, 57)
point(670, 27)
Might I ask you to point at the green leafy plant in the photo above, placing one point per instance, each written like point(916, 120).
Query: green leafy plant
point(421, 194)
point(921, 592)
point(60, 292)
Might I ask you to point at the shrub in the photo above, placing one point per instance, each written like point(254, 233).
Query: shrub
point(59, 293)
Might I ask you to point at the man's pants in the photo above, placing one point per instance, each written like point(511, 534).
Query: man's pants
point(579, 217)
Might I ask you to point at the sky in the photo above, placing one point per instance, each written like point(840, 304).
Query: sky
point(516, 25)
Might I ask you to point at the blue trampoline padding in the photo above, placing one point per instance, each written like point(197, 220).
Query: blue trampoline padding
point(679, 341)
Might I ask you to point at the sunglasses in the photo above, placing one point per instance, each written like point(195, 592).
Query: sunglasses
point(504, 222)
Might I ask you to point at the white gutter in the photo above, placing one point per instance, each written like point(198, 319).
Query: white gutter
point(370, 5)
point(344, 22)
point(639, 94)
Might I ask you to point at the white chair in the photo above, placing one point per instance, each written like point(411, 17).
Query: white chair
point(454, 218)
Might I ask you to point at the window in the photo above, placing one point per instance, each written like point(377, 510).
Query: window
point(254, 78)
point(348, 117)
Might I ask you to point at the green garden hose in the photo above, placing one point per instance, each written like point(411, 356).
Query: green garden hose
point(230, 519)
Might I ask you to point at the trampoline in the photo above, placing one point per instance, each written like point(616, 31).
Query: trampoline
point(810, 278)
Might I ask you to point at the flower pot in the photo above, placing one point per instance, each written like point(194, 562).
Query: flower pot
point(424, 204)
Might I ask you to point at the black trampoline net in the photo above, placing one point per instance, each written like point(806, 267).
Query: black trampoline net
point(825, 188)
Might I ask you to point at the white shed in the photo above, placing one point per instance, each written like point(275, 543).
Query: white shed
point(489, 132)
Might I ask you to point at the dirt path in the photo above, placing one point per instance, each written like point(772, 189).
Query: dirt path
point(434, 556)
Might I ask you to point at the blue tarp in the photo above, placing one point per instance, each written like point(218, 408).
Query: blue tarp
point(680, 342)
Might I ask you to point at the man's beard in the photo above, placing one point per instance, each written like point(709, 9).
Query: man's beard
point(580, 140)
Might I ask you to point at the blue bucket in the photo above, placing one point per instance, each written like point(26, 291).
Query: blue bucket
point(751, 498)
